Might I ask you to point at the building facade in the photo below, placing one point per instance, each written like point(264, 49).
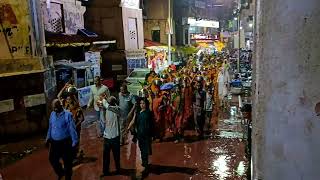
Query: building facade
point(23, 99)
point(199, 18)
point(121, 21)
point(156, 26)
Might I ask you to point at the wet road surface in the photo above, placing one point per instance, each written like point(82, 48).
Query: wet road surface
point(220, 157)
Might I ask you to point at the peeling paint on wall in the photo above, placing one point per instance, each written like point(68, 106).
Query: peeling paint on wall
point(15, 28)
point(52, 17)
point(69, 13)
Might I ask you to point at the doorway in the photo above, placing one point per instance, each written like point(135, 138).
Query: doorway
point(155, 35)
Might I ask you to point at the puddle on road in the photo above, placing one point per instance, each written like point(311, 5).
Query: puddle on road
point(220, 167)
point(233, 111)
point(187, 151)
point(241, 169)
point(230, 134)
point(231, 121)
point(218, 150)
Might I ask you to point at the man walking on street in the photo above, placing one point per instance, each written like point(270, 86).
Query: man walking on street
point(62, 138)
point(126, 102)
point(199, 98)
point(96, 91)
point(111, 135)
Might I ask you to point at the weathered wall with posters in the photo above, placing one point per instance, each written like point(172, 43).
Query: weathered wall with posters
point(14, 31)
point(63, 15)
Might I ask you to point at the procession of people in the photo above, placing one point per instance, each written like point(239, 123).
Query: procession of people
point(170, 102)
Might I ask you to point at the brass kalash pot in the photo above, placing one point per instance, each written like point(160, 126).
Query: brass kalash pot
point(157, 82)
point(72, 89)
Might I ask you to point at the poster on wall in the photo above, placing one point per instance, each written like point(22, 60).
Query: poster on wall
point(136, 63)
point(84, 95)
point(95, 58)
point(136, 59)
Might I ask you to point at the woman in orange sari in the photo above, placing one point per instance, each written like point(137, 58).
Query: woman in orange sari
point(158, 116)
point(178, 105)
point(168, 112)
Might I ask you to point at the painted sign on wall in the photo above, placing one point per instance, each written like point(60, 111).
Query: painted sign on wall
point(14, 33)
point(95, 58)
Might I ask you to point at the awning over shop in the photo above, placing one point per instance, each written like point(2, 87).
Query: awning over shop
point(74, 40)
point(75, 65)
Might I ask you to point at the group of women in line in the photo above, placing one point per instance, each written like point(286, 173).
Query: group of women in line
point(187, 98)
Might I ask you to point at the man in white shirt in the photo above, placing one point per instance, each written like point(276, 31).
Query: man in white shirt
point(96, 91)
point(111, 135)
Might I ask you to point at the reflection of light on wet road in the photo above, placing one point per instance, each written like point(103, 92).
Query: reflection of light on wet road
point(220, 167)
point(229, 134)
point(187, 151)
point(241, 169)
point(218, 150)
point(233, 111)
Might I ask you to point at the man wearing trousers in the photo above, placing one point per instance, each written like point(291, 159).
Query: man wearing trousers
point(126, 102)
point(96, 91)
point(111, 135)
point(62, 138)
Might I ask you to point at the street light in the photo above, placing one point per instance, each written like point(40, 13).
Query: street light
point(169, 32)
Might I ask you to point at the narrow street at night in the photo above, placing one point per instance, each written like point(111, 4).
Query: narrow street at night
point(216, 157)
point(159, 89)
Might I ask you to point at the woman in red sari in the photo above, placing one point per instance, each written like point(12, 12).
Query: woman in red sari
point(187, 95)
point(168, 112)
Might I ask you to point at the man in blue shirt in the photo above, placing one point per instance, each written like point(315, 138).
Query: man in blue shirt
point(62, 137)
point(126, 102)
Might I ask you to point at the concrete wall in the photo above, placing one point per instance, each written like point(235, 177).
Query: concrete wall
point(106, 21)
point(157, 9)
point(136, 14)
point(109, 20)
point(150, 24)
point(286, 129)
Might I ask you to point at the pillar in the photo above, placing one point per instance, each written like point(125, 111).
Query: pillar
point(286, 129)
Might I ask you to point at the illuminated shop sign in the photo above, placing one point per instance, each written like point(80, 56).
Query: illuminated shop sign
point(203, 23)
point(204, 37)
